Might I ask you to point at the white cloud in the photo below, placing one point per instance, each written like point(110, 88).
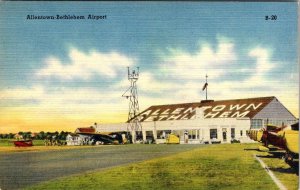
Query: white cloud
point(187, 88)
point(206, 60)
point(22, 93)
point(263, 63)
point(187, 73)
point(62, 95)
point(84, 65)
point(68, 103)
point(147, 82)
point(257, 81)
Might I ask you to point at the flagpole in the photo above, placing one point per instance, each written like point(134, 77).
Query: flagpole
point(206, 87)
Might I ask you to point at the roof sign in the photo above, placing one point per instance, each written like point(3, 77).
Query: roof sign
point(241, 108)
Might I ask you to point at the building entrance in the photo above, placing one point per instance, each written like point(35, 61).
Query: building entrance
point(224, 132)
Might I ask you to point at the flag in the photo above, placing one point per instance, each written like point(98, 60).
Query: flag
point(205, 86)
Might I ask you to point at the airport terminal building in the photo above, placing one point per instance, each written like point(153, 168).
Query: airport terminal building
point(209, 121)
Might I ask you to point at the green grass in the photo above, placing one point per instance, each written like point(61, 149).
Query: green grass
point(282, 171)
point(8, 142)
point(38, 142)
point(212, 167)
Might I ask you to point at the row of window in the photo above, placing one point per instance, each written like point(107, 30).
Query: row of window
point(214, 133)
point(260, 123)
point(195, 134)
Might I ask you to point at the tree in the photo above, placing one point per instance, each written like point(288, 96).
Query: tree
point(41, 135)
point(10, 136)
point(61, 135)
point(26, 135)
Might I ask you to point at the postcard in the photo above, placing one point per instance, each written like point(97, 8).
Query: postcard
point(149, 95)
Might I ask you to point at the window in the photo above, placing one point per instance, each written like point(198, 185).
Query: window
point(256, 124)
point(162, 134)
point(278, 122)
point(149, 135)
point(290, 122)
point(241, 132)
point(192, 134)
point(232, 133)
point(213, 133)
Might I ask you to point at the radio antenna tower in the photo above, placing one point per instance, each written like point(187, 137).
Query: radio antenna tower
point(134, 123)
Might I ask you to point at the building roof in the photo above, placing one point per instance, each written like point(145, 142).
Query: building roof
point(85, 130)
point(237, 108)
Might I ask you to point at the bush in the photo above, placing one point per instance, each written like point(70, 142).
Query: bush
point(235, 141)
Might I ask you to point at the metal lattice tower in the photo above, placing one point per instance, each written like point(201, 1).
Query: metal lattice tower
point(134, 124)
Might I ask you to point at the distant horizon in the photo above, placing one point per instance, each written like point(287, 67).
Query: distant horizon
point(68, 71)
point(92, 125)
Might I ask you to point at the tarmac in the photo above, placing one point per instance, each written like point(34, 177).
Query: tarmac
point(21, 169)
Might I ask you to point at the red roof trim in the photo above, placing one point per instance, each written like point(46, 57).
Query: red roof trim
point(85, 130)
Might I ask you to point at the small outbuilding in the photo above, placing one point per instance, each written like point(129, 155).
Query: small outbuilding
point(82, 136)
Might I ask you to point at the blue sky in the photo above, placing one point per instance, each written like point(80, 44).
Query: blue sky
point(76, 69)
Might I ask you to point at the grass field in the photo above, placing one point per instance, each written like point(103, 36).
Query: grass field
point(10, 149)
point(8, 142)
point(282, 170)
point(6, 145)
point(212, 167)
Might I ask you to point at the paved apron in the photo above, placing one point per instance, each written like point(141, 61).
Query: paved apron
point(18, 170)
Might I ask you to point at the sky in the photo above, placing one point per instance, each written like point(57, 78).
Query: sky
point(60, 74)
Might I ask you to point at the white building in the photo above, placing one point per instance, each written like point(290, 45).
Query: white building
point(80, 137)
point(209, 121)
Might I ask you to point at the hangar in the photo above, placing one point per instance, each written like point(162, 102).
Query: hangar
point(209, 121)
